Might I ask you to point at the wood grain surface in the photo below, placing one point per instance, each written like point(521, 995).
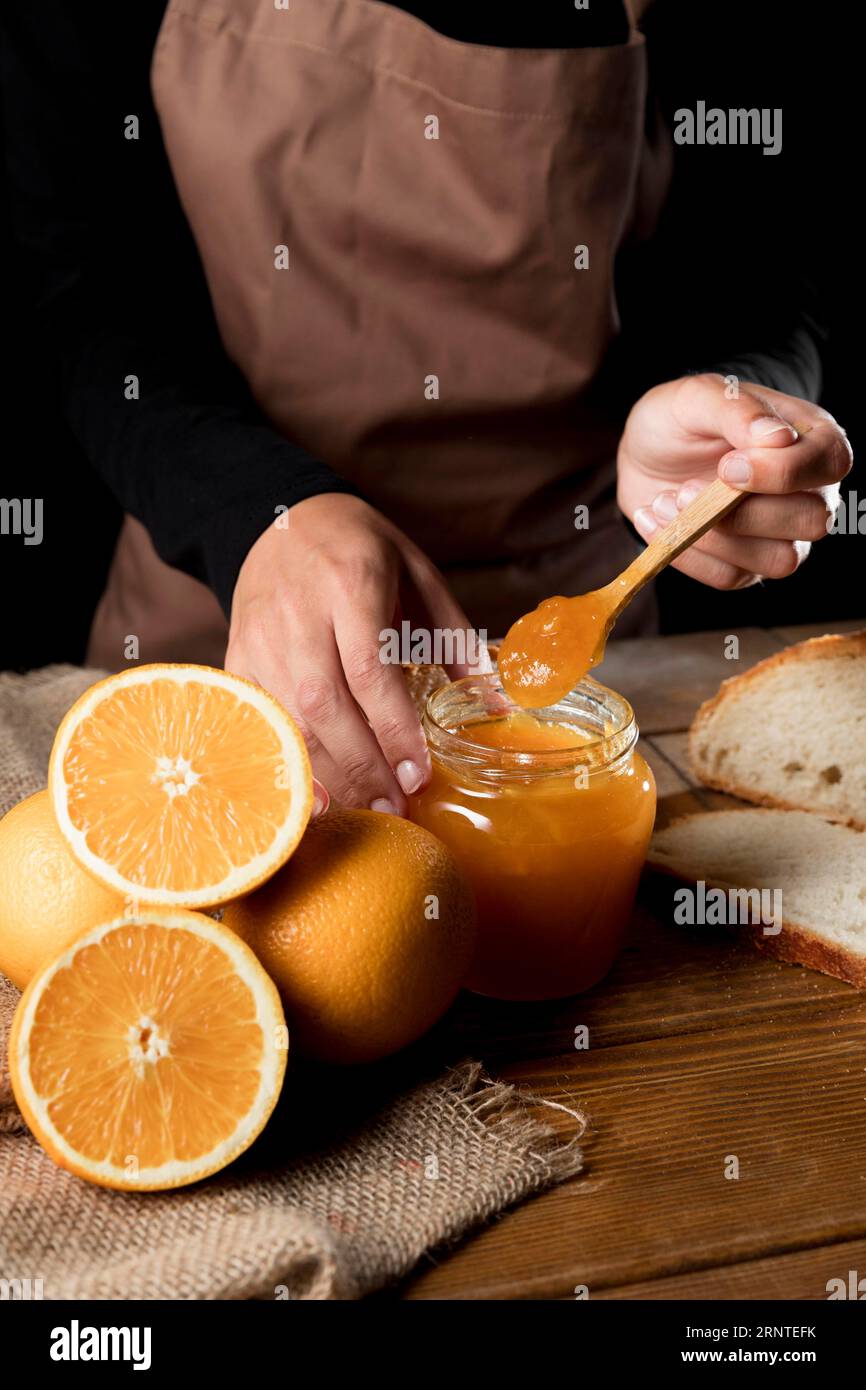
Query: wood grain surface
point(704, 1058)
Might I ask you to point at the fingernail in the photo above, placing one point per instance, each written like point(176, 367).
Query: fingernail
point(736, 469)
point(409, 775)
point(843, 462)
point(665, 506)
point(645, 521)
point(321, 800)
point(382, 804)
point(769, 425)
point(687, 494)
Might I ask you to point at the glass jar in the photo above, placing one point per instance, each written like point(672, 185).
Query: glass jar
point(550, 815)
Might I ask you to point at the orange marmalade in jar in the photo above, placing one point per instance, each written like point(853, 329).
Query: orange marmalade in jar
point(549, 812)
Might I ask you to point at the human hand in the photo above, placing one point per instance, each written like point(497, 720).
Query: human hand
point(311, 599)
point(789, 454)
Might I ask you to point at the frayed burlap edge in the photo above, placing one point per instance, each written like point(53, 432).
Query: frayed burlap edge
point(503, 1106)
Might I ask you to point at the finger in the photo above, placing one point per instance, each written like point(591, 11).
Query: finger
point(445, 614)
point(342, 746)
point(707, 569)
point(801, 516)
point(818, 459)
point(715, 573)
point(362, 775)
point(771, 559)
point(380, 691)
point(703, 406)
point(801, 413)
point(766, 558)
point(325, 774)
point(236, 662)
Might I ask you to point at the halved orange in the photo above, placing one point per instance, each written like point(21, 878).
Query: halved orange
point(150, 1053)
point(180, 785)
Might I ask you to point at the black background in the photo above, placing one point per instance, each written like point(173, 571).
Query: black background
point(48, 591)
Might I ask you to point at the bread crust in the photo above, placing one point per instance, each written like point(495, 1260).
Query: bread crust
point(421, 681)
point(828, 647)
point(797, 945)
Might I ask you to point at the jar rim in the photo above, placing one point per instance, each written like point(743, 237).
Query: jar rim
point(605, 714)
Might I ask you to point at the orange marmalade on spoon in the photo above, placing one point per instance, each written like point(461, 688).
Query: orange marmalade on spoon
point(547, 651)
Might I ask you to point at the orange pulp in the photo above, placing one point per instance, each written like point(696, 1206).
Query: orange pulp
point(554, 859)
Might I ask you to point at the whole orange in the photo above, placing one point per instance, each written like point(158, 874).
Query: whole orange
point(367, 933)
point(46, 898)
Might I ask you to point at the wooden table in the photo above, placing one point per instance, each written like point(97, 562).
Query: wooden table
point(699, 1050)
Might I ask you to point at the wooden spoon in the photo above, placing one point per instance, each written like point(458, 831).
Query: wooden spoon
point(548, 651)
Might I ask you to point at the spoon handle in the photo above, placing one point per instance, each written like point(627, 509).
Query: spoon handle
point(699, 516)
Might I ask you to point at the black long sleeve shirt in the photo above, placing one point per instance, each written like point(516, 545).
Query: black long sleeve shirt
point(119, 290)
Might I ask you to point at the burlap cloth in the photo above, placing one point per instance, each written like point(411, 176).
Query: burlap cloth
point(358, 1174)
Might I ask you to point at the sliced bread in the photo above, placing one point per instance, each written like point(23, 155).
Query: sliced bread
point(421, 681)
point(791, 732)
point(819, 868)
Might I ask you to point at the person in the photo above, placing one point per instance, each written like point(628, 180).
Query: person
point(369, 311)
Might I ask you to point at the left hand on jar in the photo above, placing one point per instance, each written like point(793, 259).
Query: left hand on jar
point(790, 453)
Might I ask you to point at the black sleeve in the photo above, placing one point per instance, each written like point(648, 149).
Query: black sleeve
point(119, 292)
point(729, 282)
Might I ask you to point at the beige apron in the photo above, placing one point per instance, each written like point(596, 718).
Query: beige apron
point(431, 338)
